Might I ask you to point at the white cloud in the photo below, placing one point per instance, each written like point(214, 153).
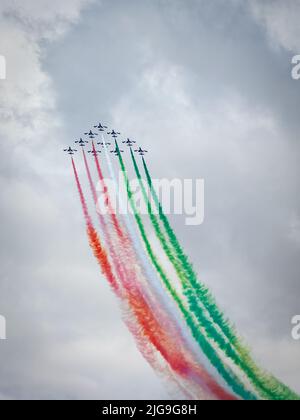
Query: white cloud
point(27, 99)
point(232, 144)
point(44, 19)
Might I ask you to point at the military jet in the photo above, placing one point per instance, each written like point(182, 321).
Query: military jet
point(117, 151)
point(81, 142)
point(100, 127)
point(70, 151)
point(129, 142)
point(91, 134)
point(141, 152)
point(114, 134)
point(94, 152)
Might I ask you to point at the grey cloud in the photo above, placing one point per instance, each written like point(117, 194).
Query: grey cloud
point(194, 81)
point(280, 20)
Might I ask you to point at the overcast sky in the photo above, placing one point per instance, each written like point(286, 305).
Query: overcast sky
point(207, 87)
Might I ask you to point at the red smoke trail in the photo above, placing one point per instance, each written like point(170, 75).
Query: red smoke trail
point(167, 344)
point(139, 328)
point(106, 268)
point(95, 198)
point(95, 244)
point(81, 195)
point(102, 257)
point(93, 188)
point(104, 263)
point(103, 224)
point(107, 199)
point(123, 252)
point(170, 347)
point(126, 247)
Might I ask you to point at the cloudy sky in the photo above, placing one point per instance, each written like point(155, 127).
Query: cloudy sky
point(207, 87)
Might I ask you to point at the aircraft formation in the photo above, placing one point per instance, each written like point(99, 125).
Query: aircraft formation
point(91, 135)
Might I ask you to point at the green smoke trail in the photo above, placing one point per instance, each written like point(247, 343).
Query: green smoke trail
point(193, 300)
point(266, 384)
point(232, 380)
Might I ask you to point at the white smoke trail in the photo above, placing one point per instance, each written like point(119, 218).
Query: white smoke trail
point(151, 275)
